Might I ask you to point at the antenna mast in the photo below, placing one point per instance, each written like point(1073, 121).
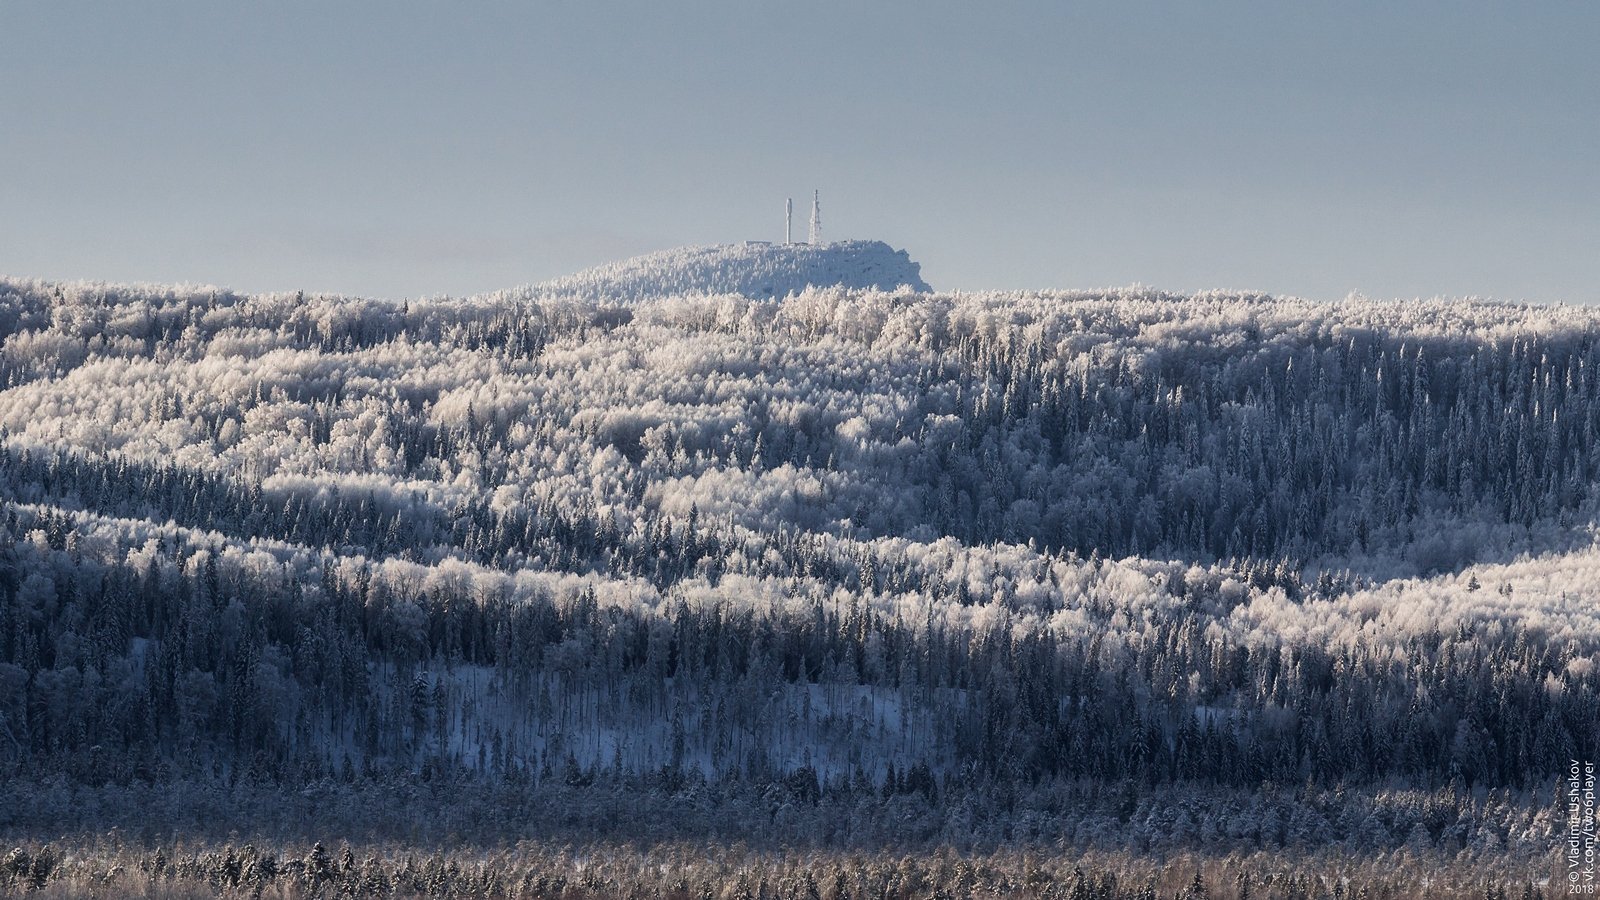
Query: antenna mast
point(788, 221)
point(816, 217)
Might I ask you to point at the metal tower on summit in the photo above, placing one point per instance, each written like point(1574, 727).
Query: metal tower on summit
point(816, 217)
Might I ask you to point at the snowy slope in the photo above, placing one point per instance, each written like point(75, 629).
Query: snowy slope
point(1119, 536)
point(751, 270)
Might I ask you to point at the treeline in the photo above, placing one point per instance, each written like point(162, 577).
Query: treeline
point(225, 662)
point(1145, 424)
point(845, 545)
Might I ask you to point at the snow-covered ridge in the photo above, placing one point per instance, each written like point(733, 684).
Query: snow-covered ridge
point(751, 269)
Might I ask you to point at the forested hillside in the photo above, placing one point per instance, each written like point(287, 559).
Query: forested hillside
point(928, 549)
point(752, 269)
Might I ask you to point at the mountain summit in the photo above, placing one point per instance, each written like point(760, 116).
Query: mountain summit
point(750, 269)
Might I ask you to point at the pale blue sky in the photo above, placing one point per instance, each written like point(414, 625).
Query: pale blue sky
point(399, 148)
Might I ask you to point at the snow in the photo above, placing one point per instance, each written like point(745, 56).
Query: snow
point(756, 270)
point(787, 501)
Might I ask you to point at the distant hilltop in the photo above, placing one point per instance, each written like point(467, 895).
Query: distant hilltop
point(751, 269)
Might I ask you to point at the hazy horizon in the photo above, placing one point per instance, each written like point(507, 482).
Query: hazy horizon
point(397, 150)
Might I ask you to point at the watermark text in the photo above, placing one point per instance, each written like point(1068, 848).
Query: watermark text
point(1581, 846)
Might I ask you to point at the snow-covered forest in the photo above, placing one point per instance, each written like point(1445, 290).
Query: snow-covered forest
point(840, 543)
point(753, 269)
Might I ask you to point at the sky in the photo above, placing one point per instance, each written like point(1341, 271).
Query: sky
point(400, 149)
